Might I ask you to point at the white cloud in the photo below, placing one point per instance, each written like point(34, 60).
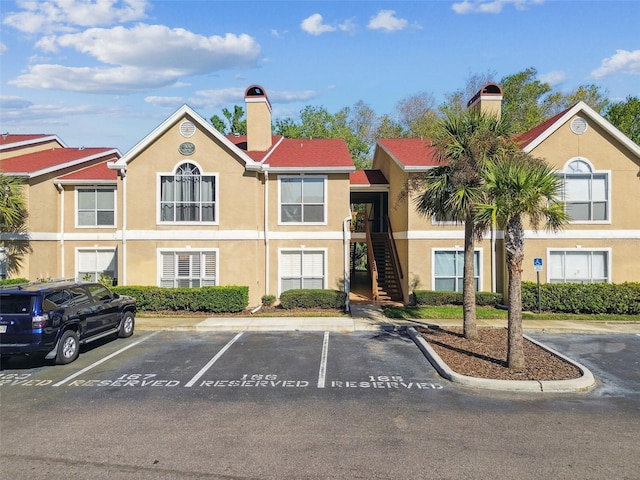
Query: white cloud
point(3, 48)
point(386, 20)
point(20, 111)
point(623, 61)
point(66, 15)
point(491, 6)
point(553, 78)
point(164, 101)
point(160, 57)
point(314, 26)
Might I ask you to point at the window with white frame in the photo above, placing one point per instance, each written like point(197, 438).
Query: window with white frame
point(579, 266)
point(302, 199)
point(302, 269)
point(448, 270)
point(94, 264)
point(95, 206)
point(188, 268)
point(187, 196)
point(585, 193)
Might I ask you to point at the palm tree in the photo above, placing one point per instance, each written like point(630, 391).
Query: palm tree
point(13, 226)
point(520, 187)
point(466, 142)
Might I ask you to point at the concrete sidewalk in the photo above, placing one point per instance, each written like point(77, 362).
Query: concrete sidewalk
point(363, 317)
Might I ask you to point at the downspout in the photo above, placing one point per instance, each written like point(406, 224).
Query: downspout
point(267, 262)
point(346, 238)
point(60, 189)
point(123, 278)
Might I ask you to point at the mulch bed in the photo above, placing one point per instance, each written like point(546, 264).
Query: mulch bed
point(486, 357)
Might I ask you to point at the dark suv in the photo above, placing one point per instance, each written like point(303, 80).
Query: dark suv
point(55, 318)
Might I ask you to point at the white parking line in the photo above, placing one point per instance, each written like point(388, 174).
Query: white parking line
point(323, 361)
point(95, 364)
point(204, 369)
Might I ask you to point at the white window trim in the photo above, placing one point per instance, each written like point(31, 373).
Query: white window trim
point(325, 185)
point(457, 249)
point(565, 171)
point(160, 251)
point(607, 250)
point(93, 249)
point(203, 173)
point(303, 249)
point(96, 187)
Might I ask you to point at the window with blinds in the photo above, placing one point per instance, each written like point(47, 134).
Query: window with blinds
point(572, 266)
point(188, 269)
point(302, 269)
point(94, 263)
point(95, 207)
point(585, 193)
point(448, 270)
point(188, 196)
point(302, 199)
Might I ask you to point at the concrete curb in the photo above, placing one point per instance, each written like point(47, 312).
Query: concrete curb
point(582, 384)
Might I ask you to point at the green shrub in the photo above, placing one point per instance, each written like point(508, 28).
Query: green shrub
point(268, 300)
point(310, 298)
point(586, 298)
point(432, 297)
point(205, 299)
point(13, 281)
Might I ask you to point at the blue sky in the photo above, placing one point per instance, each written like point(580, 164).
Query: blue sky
point(105, 73)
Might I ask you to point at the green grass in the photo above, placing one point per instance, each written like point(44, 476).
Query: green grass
point(454, 312)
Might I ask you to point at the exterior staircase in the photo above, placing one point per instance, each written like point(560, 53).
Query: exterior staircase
point(389, 288)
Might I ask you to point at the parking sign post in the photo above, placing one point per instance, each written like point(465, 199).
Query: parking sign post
point(537, 265)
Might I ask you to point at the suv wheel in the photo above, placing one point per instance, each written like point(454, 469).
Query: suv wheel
point(126, 325)
point(68, 348)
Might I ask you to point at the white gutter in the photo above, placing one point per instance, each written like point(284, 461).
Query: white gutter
point(60, 189)
point(346, 240)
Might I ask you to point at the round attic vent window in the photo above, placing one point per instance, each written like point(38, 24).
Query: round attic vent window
point(579, 125)
point(187, 129)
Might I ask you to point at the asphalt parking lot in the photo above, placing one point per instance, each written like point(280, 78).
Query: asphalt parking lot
point(309, 405)
point(221, 363)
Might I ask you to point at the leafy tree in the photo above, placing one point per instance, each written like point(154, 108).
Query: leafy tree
point(466, 143)
point(524, 100)
point(589, 94)
point(626, 117)
point(519, 187)
point(13, 218)
point(417, 114)
point(232, 121)
point(317, 122)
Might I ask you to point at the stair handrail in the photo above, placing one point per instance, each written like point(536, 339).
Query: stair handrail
point(371, 261)
point(392, 243)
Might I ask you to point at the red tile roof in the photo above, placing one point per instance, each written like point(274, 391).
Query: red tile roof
point(50, 159)
point(7, 139)
point(311, 153)
point(526, 138)
point(367, 177)
point(411, 152)
point(300, 153)
point(98, 172)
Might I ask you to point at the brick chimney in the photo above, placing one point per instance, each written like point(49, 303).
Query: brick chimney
point(258, 119)
point(488, 99)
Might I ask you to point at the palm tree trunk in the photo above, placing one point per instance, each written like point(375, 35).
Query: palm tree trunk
point(514, 245)
point(470, 326)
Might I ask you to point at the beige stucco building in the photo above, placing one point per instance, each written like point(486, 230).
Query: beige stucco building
point(188, 206)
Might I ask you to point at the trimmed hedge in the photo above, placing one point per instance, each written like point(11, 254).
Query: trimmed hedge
point(205, 299)
point(586, 298)
point(312, 298)
point(13, 281)
point(431, 297)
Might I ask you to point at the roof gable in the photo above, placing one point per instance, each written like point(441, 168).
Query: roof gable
point(10, 140)
point(528, 141)
point(181, 113)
